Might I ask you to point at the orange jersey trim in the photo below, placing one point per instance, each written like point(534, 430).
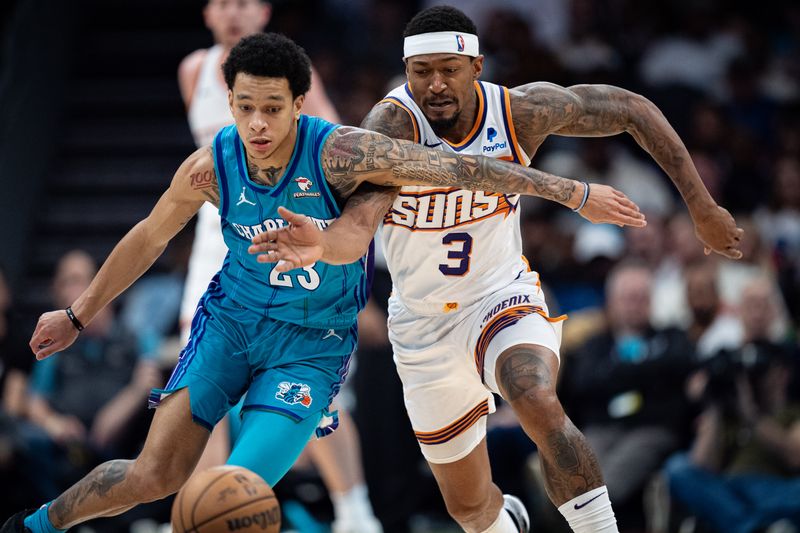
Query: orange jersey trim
point(479, 119)
point(455, 429)
point(401, 105)
point(505, 319)
point(510, 126)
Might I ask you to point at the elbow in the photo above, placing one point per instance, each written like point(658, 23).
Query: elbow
point(642, 113)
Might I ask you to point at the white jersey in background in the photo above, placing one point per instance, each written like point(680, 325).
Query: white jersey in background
point(465, 244)
point(208, 113)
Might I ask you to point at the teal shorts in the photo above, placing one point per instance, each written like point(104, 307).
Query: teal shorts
point(282, 367)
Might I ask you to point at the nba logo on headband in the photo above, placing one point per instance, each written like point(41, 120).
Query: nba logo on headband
point(441, 42)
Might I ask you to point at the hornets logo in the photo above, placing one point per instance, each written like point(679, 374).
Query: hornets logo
point(294, 393)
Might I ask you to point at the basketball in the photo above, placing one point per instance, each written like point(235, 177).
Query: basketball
point(226, 499)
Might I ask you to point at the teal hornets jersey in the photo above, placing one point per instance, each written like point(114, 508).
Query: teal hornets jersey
point(317, 296)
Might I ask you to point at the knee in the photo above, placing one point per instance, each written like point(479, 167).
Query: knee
point(467, 512)
point(155, 478)
point(527, 376)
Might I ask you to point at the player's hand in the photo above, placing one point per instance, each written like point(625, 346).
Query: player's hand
point(606, 205)
point(297, 245)
point(53, 333)
point(717, 230)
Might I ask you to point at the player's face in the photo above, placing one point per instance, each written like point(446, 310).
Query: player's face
point(264, 112)
point(230, 20)
point(442, 84)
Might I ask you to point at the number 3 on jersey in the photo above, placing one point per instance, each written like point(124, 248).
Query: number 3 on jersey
point(308, 279)
point(461, 248)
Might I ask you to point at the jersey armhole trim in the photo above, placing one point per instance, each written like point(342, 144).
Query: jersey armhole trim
point(222, 177)
point(508, 122)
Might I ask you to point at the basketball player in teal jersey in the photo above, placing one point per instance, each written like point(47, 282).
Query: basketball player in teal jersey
point(338, 457)
point(283, 339)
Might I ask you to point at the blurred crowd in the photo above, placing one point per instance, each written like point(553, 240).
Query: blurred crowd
point(678, 366)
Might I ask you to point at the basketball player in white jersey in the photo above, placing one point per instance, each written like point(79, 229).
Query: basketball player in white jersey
point(467, 317)
point(206, 97)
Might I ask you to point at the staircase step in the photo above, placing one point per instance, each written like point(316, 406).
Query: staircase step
point(121, 174)
point(121, 136)
point(125, 97)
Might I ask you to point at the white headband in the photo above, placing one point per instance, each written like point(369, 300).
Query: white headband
point(441, 42)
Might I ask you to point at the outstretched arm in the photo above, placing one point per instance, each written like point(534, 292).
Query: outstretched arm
point(389, 159)
point(540, 109)
point(352, 156)
point(193, 183)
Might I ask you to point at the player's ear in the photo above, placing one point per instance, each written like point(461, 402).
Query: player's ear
point(265, 13)
point(298, 105)
point(477, 67)
point(230, 100)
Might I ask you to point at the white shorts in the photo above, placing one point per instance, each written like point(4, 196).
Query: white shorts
point(447, 362)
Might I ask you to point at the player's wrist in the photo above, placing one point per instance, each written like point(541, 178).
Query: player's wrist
point(76, 323)
point(701, 208)
point(580, 195)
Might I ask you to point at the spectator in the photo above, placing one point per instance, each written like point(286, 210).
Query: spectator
point(623, 385)
point(743, 470)
point(88, 396)
point(20, 458)
point(669, 286)
point(713, 326)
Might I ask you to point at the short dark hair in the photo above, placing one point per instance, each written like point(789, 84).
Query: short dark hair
point(439, 18)
point(270, 55)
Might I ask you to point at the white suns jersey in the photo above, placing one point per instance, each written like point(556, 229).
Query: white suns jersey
point(447, 248)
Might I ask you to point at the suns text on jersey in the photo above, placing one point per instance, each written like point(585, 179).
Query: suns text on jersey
point(437, 209)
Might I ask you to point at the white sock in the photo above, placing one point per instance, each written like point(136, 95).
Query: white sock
point(503, 524)
point(590, 512)
point(353, 505)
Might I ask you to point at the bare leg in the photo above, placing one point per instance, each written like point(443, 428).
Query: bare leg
point(472, 499)
point(218, 447)
point(172, 449)
point(338, 456)
point(527, 379)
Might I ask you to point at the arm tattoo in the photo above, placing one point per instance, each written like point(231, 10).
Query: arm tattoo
point(390, 120)
point(206, 182)
point(540, 109)
point(372, 202)
point(351, 156)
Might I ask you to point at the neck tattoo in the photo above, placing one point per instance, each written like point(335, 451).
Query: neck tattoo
point(264, 176)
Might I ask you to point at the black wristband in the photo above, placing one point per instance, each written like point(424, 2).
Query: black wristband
point(74, 319)
point(585, 196)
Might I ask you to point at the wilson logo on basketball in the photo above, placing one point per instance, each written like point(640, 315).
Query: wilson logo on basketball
point(263, 520)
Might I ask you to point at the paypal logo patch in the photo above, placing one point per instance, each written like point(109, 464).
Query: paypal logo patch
point(491, 133)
